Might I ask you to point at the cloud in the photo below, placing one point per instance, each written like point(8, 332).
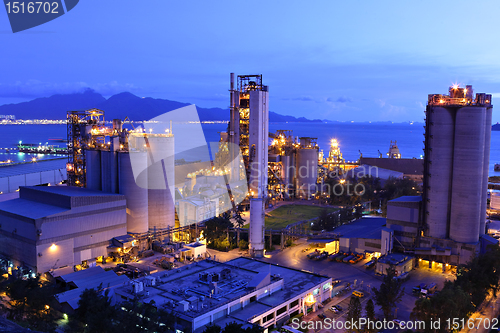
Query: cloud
point(300, 99)
point(36, 88)
point(341, 99)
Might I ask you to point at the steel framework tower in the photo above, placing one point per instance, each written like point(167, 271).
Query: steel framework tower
point(84, 129)
point(249, 130)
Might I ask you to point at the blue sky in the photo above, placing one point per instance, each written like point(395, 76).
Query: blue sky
point(338, 60)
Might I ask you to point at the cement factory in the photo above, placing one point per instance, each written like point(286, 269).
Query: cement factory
point(126, 191)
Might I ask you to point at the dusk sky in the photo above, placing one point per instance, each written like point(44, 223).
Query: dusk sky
point(337, 60)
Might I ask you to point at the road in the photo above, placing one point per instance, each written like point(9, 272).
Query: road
point(355, 274)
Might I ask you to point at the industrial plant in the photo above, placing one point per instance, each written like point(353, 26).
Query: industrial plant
point(126, 192)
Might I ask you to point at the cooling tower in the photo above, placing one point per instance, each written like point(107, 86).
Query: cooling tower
point(136, 196)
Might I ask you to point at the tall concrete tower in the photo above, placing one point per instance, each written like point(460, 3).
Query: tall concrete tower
point(249, 130)
point(457, 150)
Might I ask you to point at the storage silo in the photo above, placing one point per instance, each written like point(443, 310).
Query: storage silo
point(109, 171)
point(495, 201)
point(439, 160)
point(457, 147)
point(136, 196)
point(468, 159)
point(306, 170)
point(93, 169)
point(161, 179)
point(486, 164)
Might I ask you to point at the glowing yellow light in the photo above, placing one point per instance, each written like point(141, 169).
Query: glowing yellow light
point(53, 247)
point(441, 101)
point(342, 181)
point(455, 86)
point(310, 299)
point(33, 159)
point(47, 307)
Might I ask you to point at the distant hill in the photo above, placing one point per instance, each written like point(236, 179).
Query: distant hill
point(495, 127)
point(117, 106)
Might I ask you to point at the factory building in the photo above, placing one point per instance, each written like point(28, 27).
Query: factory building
point(51, 227)
point(241, 290)
point(366, 235)
point(457, 149)
point(412, 168)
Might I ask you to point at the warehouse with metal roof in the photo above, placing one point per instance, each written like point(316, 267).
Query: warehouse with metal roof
point(51, 227)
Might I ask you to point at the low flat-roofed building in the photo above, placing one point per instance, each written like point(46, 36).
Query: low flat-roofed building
point(49, 227)
point(92, 278)
point(402, 263)
point(242, 290)
point(367, 234)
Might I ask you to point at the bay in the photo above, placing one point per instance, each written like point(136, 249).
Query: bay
point(369, 138)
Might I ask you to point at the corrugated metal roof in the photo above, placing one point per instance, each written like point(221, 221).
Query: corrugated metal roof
point(32, 167)
point(90, 278)
point(367, 228)
point(407, 198)
point(70, 191)
point(30, 209)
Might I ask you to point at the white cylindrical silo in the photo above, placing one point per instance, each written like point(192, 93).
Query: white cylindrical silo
point(257, 227)
point(161, 182)
point(441, 132)
point(495, 201)
point(93, 169)
point(467, 183)
point(486, 164)
point(307, 171)
point(136, 196)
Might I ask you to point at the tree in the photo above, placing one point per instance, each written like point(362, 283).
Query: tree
point(370, 313)
point(216, 233)
point(94, 313)
point(31, 301)
point(238, 220)
point(450, 302)
point(243, 245)
point(212, 328)
point(390, 292)
point(354, 312)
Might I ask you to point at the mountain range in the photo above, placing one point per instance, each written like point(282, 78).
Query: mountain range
point(117, 106)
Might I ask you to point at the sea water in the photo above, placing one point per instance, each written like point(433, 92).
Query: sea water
point(354, 139)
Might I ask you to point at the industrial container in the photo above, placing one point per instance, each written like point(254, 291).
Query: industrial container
point(137, 196)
